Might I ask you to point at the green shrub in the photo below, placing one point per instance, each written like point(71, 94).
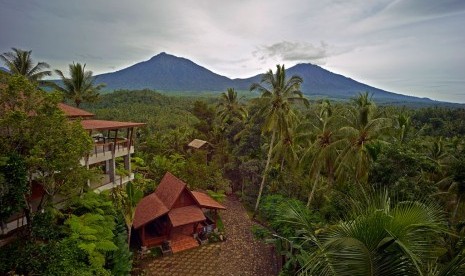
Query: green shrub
point(119, 262)
point(260, 232)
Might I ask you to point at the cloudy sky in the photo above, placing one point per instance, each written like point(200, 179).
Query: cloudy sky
point(414, 47)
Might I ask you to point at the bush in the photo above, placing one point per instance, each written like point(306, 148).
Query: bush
point(277, 211)
point(260, 232)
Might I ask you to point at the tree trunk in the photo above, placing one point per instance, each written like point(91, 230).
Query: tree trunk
point(312, 192)
point(262, 184)
point(129, 236)
point(456, 207)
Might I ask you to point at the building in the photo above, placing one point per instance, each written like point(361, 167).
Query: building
point(174, 215)
point(112, 140)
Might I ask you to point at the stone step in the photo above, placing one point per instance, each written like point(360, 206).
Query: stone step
point(183, 244)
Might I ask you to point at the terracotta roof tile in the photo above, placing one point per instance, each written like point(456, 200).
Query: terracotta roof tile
point(206, 201)
point(104, 125)
point(148, 209)
point(170, 189)
point(186, 215)
point(73, 112)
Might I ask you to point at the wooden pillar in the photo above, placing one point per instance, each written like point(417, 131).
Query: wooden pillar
point(142, 232)
point(127, 157)
point(112, 167)
point(170, 228)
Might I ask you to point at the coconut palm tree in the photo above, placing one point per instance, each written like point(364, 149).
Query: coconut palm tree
point(325, 140)
point(277, 96)
point(80, 86)
point(364, 130)
point(20, 62)
point(378, 237)
point(229, 106)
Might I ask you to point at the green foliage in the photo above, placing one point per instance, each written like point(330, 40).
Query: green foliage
point(160, 112)
point(91, 202)
point(218, 196)
point(91, 226)
point(93, 234)
point(260, 232)
point(156, 252)
point(206, 115)
point(13, 186)
point(36, 129)
point(379, 237)
point(119, 262)
point(401, 170)
point(275, 208)
point(437, 121)
point(79, 87)
point(45, 225)
point(53, 258)
point(19, 62)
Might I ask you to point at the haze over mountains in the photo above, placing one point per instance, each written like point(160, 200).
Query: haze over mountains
point(165, 72)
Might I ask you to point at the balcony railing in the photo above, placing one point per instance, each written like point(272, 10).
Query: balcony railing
point(104, 150)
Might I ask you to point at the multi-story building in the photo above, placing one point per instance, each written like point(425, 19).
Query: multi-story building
point(112, 140)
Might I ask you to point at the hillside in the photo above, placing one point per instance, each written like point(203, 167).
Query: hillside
point(165, 72)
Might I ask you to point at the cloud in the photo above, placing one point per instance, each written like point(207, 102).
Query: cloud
point(371, 41)
point(294, 51)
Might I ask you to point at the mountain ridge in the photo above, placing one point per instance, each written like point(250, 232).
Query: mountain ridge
point(166, 72)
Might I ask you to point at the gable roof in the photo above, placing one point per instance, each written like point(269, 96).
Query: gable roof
point(206, 201)
point(148, 209)
point(74, 112)
point(170, 189)
point(186, 215)
point(161, 202)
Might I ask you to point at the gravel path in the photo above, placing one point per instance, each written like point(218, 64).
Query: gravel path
point(239, 255)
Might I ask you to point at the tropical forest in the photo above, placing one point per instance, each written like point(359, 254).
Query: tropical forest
point(310, 185)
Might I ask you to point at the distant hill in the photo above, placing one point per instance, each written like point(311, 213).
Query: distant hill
point(165, 72)
point(3, 69)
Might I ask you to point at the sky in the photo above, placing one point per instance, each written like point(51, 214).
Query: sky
point(413, 47)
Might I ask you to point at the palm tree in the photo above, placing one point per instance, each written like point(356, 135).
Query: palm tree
point(19, 62)
point(364, 131)
point(378, 237)
point(80, 86)
point(325, 141)
point(229, 106)
point(277, 96)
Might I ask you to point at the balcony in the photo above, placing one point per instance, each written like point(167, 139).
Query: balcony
point(104, 151)
point(104, 182)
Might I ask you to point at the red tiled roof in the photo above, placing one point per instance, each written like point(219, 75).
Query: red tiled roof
point(104, 125)
point(148, 209)
point(206, 201)
point(186, 215)
point(170, 189)
point(73, 112)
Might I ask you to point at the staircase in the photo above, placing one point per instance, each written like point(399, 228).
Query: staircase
point(182, 242)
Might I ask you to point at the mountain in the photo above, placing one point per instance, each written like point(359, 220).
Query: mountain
point(166, 72)
point(3, 69)
point(323, 83)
